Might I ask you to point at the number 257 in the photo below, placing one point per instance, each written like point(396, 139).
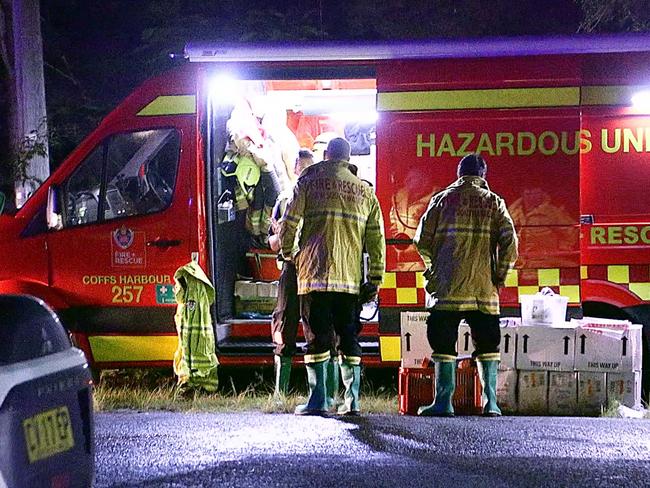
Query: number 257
point(126, 294)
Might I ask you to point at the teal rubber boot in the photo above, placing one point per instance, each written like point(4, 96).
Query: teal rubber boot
point(487, 372)
point(333, 374)
point(316, 379)
point(445, 386)
point(282, 376)
point(351, 376)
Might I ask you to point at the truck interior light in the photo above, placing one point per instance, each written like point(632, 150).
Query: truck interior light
point(641, 101)
point(223, 88)
point(365, 117)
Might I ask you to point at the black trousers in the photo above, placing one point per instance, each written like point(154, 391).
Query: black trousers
point(326, 314)
point(285, 318)
point(442, 331)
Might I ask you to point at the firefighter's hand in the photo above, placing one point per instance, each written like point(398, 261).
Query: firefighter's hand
point(274, 242)
point(287, 257)
point(275, 226)
point(367, 292)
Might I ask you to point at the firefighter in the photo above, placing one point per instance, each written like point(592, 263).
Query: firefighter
point(285, 318)
point(468, 243)
point(340, 215)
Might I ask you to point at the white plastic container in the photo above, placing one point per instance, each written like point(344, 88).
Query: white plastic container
point(544, 308)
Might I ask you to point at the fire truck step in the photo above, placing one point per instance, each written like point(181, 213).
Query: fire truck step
point(260, 347)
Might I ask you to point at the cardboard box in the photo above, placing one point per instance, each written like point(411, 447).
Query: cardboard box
point(508, 347)
point(464, 344)
point(562, 393)
point(416, 352)
point(624, 388)
point(246, 289)
point(507, 390)
point(607, 345)
point(532, 393)
point(510, 322)
point(267, 289)
point(592, 393)
point(544, 348)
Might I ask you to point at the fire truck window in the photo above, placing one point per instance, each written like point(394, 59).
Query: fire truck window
point(141, 172)
point(81, 191)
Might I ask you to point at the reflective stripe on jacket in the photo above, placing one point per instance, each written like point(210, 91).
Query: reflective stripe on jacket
point(468, 243)
point(340, 217)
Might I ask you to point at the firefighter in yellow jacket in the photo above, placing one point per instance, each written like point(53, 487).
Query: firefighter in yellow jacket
point(468, 243)
point(340, 215)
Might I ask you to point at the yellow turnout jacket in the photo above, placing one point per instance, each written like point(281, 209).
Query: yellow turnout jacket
point(340, 217)
point(468, 243)
point(195, 359)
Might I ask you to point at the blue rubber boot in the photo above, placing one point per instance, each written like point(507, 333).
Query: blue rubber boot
point(316, 378)
point(487, 372)
point(445, 387)
point(351, 375)
point(282, 376)
point(333, 374)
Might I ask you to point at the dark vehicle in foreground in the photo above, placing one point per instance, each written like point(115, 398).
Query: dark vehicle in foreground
point(46, 411)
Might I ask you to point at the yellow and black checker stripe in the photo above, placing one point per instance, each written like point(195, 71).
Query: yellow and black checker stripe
point(563, 281)
point(404, 288)
point(633, 277)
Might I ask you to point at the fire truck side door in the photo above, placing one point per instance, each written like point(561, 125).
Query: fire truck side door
point(125, 230)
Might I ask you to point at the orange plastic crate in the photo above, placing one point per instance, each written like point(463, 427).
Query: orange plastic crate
point(467, 397)
point(416, 387)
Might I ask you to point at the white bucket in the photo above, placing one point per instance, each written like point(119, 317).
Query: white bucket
point(546, 309)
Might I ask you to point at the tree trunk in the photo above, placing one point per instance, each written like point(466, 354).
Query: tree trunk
point(22, 52)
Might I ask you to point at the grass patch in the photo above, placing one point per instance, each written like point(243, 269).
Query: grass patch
point(612, 410)
point(239, 391)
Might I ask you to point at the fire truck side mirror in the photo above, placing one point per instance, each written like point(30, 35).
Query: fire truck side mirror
point(3, 198)
point(54, 220)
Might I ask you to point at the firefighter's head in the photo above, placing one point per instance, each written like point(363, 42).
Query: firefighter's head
point(303, 161)
point(338, 149)
point(320, 144)
point(472, 165)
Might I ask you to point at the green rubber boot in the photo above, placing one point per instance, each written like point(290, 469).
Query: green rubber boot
point(333, 374)
point(487, 372)
point(282, 375)
point(445, 387)
point(316, 379)
point(351, 375)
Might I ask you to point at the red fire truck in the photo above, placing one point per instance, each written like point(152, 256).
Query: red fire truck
point(563, 122)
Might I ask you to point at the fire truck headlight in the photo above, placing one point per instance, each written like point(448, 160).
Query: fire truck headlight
point(641, 101)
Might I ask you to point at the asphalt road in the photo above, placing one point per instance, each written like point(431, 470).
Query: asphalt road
point(258, 450)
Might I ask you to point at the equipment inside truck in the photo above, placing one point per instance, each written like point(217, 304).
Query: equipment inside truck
point(256, 129)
